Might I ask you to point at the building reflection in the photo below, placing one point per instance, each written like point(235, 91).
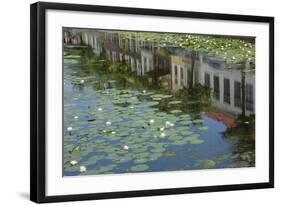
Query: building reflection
point(232, 85)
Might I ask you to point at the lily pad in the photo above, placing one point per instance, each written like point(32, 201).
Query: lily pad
point(197, 121)
point(174, 102)
point(153, 103)
point(156, 99)
point(196, 141)
point(140, 161)
point(76, 149)
point(139, 168)
point(205, 164)
point(179, 142)
point(202, 128)
point(176, 111)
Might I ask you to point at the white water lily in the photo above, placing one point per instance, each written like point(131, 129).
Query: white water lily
point(161, 129)
point(69, 129)
point(75, 117)
point(73, 162)
point(126, 147)
point(100, 109)
point(113, 132)
point(151, 121)
point(83, 169)
point(82, 81)
point(144, 91)
point(108, 123)
point(131, 107)
point(163, 134)
point(169, 124)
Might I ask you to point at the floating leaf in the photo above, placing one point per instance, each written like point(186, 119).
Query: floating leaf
point(202, 128)
point(205, 164)
point(140, 161)
point(176, 111)
point(174, 102)
point(139, 168)
point(76, 149)
point(153, 103)
point(196, 141)
point(197, 121)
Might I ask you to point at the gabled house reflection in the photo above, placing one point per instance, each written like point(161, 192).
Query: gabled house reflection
point(232, 85)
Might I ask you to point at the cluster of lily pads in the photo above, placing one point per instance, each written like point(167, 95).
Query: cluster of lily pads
point(120, 128)
point(228, 48)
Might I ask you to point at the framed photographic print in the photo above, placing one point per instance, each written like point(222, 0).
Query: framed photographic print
point(129, 102)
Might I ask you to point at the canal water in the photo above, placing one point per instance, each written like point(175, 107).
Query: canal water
point(121, 117)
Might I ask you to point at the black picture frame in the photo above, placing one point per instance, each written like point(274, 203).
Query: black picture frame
point(38, 100)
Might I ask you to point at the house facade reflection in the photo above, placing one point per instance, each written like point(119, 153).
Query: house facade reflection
point(176, 68)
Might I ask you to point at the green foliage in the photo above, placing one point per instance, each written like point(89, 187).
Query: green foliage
point(244, 127)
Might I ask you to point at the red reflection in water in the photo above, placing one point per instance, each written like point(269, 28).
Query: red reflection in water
point(229, 121)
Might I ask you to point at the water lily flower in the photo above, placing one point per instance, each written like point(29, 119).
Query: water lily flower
point(161, 129)
point(151, 121)
point(69, 129)
point(100, 109)
point(75, 117)
point(144, 91)
point(162, 135)
point(108, 123)
point(73, 162)
point(131, 107)
point(126, 147)
point(171, 124)
point(167, 123)
point(113, 132)
point(247, 122)
point(82, 81)
point(83, 169)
